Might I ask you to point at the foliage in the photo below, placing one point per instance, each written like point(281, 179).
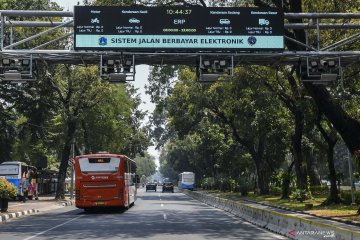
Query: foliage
point(319, 190)
point(30, 102)
point(145, 165)
point(302, 194)
point(234, 185)
point(308, 188)
point(347, 197)
point(244, 186)
point(113, 127)
point(276, 191)
point(208, 183)
point(7, 189)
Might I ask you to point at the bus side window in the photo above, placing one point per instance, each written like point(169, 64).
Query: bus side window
point(126, 166)
point(133, 167)
point(23, 171)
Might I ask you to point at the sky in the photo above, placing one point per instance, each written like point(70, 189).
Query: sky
point(141, 76)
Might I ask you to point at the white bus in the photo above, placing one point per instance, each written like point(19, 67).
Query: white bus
point(186, 180)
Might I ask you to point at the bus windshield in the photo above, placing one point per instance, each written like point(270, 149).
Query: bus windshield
point(99, 165)
point(9, 169)
point(188, 179)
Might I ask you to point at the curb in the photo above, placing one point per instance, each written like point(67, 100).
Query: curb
point(67, 203)
point(8, 216)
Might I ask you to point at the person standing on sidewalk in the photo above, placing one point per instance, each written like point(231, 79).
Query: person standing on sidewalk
point(23, 188)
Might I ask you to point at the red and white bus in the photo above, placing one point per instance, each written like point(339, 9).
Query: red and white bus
point(105, 180)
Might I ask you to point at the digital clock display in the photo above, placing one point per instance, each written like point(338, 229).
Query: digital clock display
point(178, 28)
point(178, 11)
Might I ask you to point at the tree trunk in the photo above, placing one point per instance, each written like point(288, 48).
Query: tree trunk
point(87, 149)
point(312, 170)
point(331, 139)
point(347, 127)
point(60, 190)
point(301, 178)
point(286, 182)
point(262, 177)
point(334, 194)
point(264, 180)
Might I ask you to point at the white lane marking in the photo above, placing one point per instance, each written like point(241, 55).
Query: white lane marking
point(40, 233)
point(164, 215)
point(162, 205)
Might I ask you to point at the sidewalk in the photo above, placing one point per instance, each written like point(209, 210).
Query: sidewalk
point(45, 203)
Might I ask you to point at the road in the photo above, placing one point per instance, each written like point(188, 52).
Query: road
point(156, 215)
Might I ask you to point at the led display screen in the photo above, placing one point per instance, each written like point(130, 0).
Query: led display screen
point(99, 160)
point(178, 28)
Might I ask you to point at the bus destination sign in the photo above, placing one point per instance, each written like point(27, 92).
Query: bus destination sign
point(178, 28)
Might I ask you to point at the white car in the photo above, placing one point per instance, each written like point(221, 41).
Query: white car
point(134, 20)
point(224, 21)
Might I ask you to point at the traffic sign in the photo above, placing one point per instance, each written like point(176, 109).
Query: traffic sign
point(71, 162)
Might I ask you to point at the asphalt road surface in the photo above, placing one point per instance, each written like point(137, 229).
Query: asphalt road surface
point(156, 215)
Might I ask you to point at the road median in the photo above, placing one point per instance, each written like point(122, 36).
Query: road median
point(287, 223)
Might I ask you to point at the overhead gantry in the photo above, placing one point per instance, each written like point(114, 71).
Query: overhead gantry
point(52, 42)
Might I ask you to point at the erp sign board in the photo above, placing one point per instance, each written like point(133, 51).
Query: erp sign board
point(178, 28)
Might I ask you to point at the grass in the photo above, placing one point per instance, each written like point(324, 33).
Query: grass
point(342, 211)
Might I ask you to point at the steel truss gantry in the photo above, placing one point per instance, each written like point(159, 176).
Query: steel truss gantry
point(314, 25)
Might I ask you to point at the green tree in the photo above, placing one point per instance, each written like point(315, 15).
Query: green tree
point(27, 107)
point(77, 90)
point(239, 105)
point(113, 127)
point(145, 164)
